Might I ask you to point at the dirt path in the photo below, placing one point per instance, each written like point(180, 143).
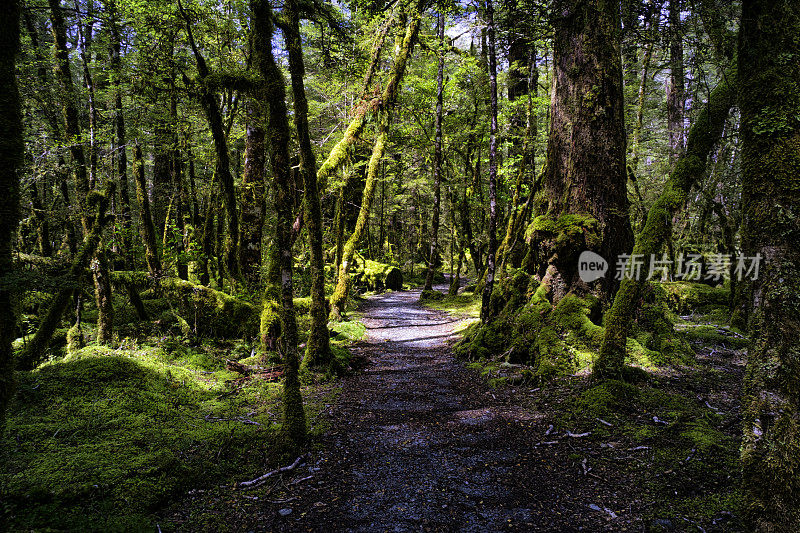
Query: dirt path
point(419, 443)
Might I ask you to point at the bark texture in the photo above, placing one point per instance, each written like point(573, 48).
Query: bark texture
point(318, 350)
point(274, 94)
point(584, 205)
point(769, 97)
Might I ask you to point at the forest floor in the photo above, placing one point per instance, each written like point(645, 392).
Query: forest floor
point(420, 442)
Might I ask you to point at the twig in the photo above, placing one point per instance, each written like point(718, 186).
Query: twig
point(261, 479)
point(577, 435)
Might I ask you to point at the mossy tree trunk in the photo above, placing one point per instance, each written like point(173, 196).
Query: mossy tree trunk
point(119, 148)
point(252, 196)
point(12, 151)
point(273, 94)
point(37, 347)
point(44, 90)
point(703, 134)
point(318, 351)
point(584, 204)
point(491, 257)
point(211, 108)
point(385, 105)
point(676, 92)
point(148, 230)
point(72, 130)
point(437, 157)
point(73, 134)
point(769, 97)
point(338, 155)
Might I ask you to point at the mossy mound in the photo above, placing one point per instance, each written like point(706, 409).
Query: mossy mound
point(101, 438)
point(528, 329)
point(562, 339)
point(685, 297)
point(211, 313)
point(375, 276)
point(431, 295)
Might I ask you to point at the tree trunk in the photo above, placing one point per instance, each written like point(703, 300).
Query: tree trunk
point(211, 108)
point(252, 194)
point(584, 205)
point(437, 159)
point(82, 182)
point(12, 151)
point(273, 94)
point(318, 351)
point(37, 347)
point(120, 144)
point(769, 67)
point(147, 228)
point(492, 252)
point(676, 93)
point(386, 103)
point(703, 134)
point(72, 129)
point(338, 154)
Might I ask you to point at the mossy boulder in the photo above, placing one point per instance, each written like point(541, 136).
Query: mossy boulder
point(431, 295)
point(375, 276)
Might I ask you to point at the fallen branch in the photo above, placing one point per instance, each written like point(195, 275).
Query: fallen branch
point(261, 479)
point(578, 435)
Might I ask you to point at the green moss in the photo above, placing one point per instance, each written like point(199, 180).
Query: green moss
point(685, 297)
point(710, 335)
point(431, 296)
point(375, 276)
point(464, 304)
point(568, 228)
point(103, 437)
point(75, 340)
point(702, 435)
point(608, 397)
point(348, 330)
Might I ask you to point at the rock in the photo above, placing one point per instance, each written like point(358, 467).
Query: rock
point(662, 524)
point(285, 512)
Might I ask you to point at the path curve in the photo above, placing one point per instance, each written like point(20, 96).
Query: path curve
point(418, 442)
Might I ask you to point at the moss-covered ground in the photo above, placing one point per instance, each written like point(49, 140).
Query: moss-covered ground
point(124, 437)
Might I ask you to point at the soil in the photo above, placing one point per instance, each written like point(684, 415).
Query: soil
point(419, 442)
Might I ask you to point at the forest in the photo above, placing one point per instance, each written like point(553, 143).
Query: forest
point(400, 265)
